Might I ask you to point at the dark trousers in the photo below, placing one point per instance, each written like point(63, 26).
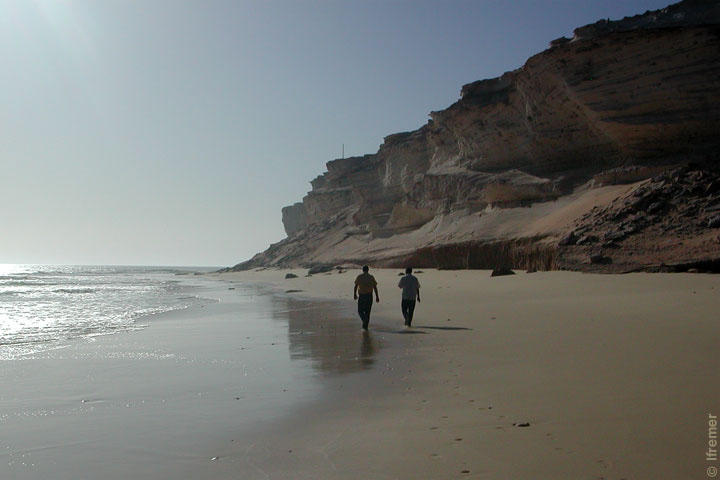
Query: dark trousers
point(408, 308)
point(364, 307)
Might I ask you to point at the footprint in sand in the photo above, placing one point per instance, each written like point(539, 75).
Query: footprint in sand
point(602, 463)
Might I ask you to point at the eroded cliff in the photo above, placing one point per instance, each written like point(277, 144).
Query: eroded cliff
point(506, 174)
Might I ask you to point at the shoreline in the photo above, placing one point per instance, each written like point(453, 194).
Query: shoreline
point(164, 401)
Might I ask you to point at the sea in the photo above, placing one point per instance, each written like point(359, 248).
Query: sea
point(44, 306)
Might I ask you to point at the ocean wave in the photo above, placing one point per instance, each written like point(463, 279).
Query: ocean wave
point(46, 273)
point(74, 290)
point(18, 341)
point(59, 304)
point(9, 293)
point(25, 283)
point(199, 298)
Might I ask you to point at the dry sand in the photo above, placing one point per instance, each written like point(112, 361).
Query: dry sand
point(616, 376)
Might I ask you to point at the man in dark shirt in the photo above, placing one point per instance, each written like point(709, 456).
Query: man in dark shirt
point(365, 284)
point(410, 291)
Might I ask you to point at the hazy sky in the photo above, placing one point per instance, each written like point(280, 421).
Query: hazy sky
point(173, 132)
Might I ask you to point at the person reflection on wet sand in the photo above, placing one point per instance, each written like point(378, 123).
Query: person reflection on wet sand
point(320, 333)
point(367, 350)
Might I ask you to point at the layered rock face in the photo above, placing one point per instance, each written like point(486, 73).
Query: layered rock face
point(505, 173)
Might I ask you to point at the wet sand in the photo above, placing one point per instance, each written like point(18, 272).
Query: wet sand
point(179, 398)
point(614, 376)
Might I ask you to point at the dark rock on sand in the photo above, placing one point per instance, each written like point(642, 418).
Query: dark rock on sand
point(319, 269)
point(290, 275)
point(499, 272)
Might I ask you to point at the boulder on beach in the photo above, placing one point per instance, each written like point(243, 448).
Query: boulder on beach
point(319, 269)
point(499, 272)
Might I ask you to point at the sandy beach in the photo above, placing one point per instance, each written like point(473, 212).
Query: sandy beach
point(615, 375)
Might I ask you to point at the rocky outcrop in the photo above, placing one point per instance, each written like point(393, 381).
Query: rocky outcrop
point(683, 14)
point(666, 222)
point(503, 174)
point(293, 218)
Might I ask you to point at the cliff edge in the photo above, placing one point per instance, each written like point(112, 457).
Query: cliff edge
point(599, 153)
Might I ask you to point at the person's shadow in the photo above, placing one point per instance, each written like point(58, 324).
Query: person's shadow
point(428, 327)
point(418, 330)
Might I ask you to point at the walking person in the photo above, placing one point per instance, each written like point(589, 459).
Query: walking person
point(410, 291)
point(365, 285)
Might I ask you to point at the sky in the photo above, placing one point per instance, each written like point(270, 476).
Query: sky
point(172, 132)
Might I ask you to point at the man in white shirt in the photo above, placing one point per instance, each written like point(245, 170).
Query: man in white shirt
point(410, 291)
